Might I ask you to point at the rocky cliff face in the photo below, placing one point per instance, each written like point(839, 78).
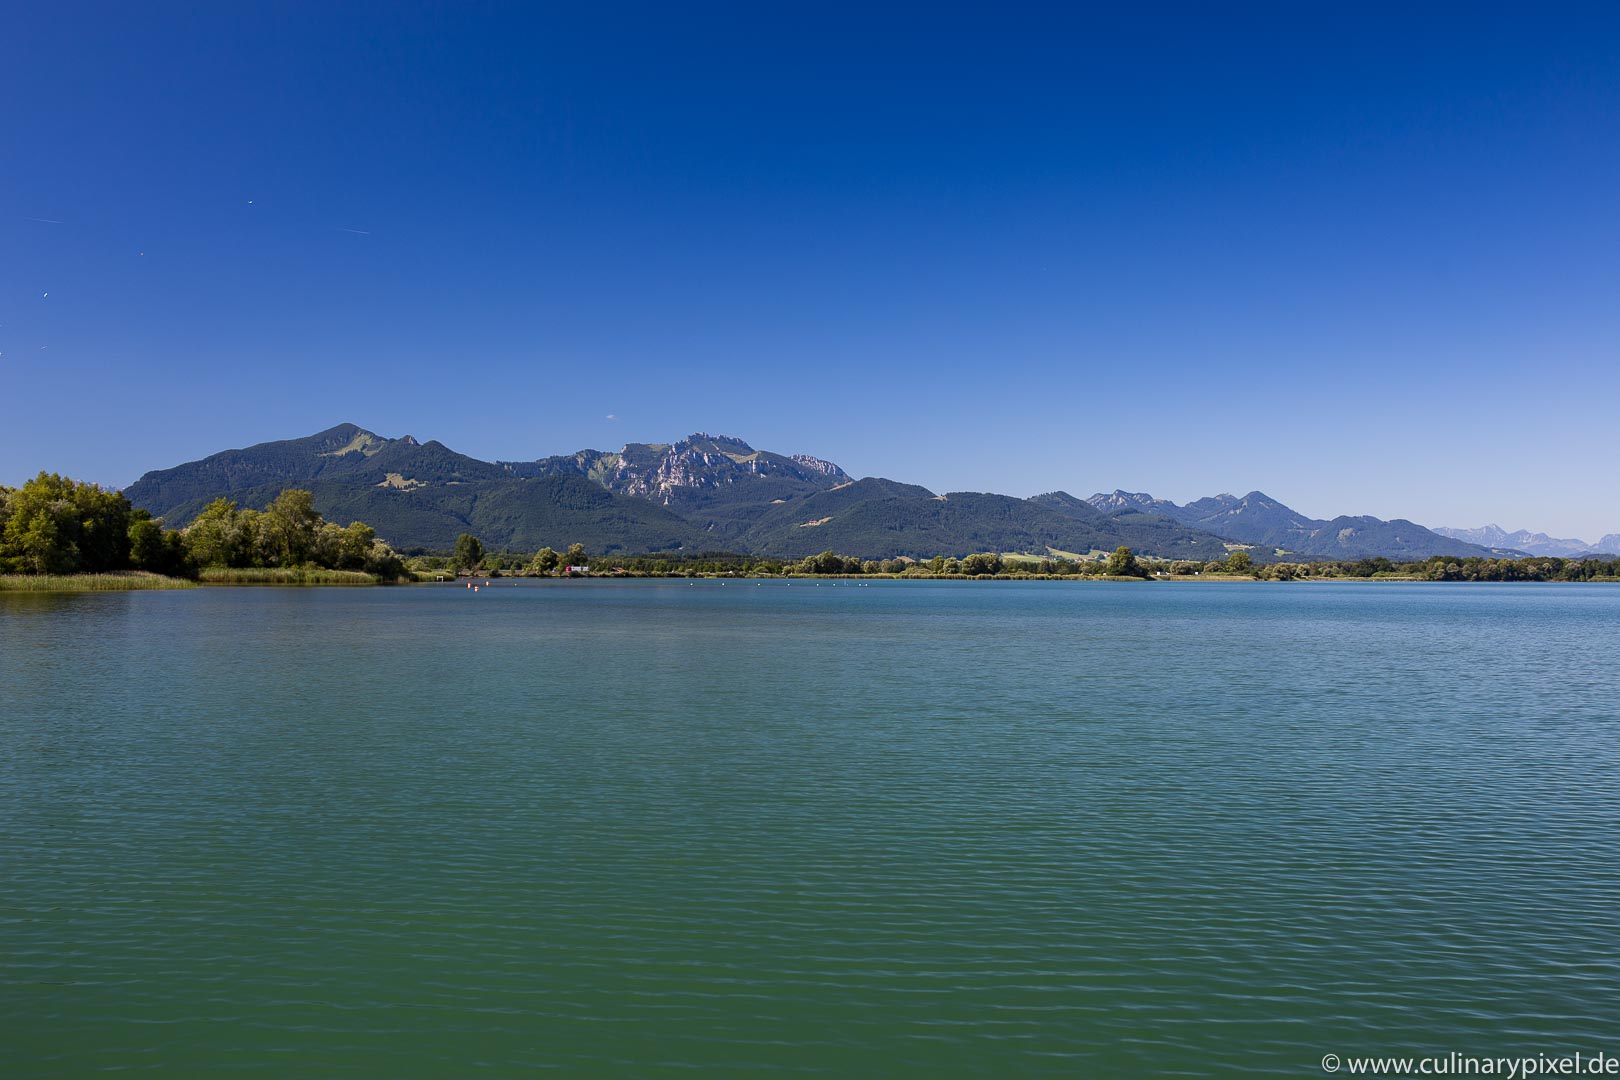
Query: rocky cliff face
point(1133, 500)
point(719, 480)
point(825, 468)
point(704, 462)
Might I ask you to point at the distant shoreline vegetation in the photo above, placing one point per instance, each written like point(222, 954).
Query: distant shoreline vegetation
point(58, 534)
point(1122, 564)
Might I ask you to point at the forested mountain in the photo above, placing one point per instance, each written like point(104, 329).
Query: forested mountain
point(883, 519)
point(1272, 527)
point(717, 492)
point(417, 495)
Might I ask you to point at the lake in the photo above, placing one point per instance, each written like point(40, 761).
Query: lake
point(733, 828)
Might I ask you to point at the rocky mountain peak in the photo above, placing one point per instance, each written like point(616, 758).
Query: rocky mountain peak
point(705, 462)
point(729, 441)
point(1119, 499)
point(817, 465)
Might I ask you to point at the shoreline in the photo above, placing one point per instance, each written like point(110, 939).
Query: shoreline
point(142, 581)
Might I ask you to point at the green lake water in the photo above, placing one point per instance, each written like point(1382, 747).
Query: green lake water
point(742, 829)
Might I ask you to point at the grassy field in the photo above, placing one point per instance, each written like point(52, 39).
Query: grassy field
point(218, 575)
point(121, 582)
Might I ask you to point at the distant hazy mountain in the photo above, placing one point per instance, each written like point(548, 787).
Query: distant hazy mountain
point(709, 492)
point(1258, 519)
point(1531, 543)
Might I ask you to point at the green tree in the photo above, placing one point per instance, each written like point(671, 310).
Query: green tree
point(469, 552)
point(290, 523)
point(384, 562)
point(355, 544)
point(156, 549)
point(345, 548)
point(37, 543)
point(830, 562)
point(545, 561)
point(1239, 562)
point(982, 563)
point(215, 537)
point(576, 556)
point(1122, 563)
point(145, 543)
point(56, 525)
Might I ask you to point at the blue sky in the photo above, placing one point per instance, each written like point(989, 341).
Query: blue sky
point(1366, 263)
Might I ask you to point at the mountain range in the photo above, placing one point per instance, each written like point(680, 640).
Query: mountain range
point(715, 492)
point(1534, 543)
point(1258, 519)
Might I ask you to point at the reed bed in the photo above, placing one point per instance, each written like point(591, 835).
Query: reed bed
point(286, 575)
point(112, 582)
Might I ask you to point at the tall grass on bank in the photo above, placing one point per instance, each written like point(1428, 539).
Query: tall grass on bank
point(286, 575)
point(112, 582)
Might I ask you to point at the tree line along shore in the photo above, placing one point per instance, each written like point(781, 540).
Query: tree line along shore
point(1121, 564)
point(58, 534)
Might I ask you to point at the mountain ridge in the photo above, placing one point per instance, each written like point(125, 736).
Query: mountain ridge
point(710, 491)
point(1281, 531)
point(1533, 543)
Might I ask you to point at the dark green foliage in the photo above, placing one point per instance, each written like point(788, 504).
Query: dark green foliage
point(545, 561)
point(469, 552)
point(828, 562)
point(54, 525)
point(288, 528)
point(287, 534)
point(985, 563)
point(156, 549)
point(1447, 568)
point(1122, 563)
point(1441, 568)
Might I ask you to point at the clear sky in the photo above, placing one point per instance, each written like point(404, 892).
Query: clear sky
point(1367, 264)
